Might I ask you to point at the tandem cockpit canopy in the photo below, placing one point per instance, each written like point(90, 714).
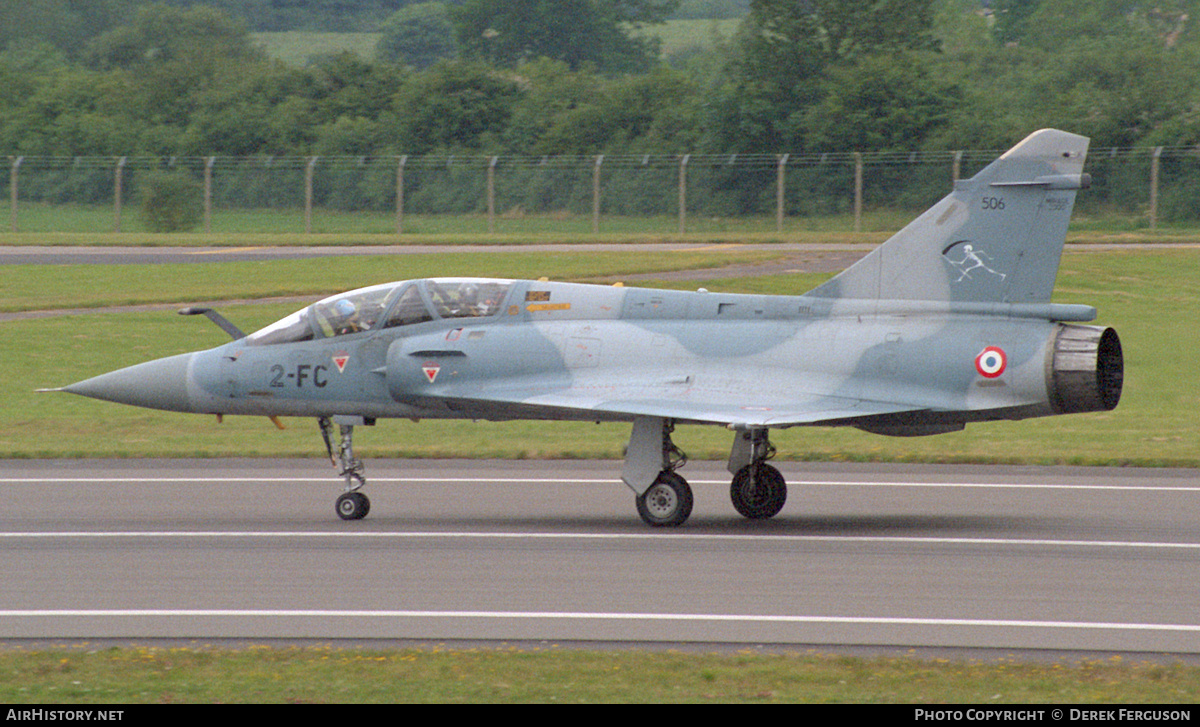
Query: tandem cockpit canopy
point(387, 306)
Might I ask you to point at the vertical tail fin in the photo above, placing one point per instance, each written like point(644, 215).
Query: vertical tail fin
point(997, 237)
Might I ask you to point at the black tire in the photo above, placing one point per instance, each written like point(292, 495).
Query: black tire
point(667, 502)
point(758, 491)
point(353, 506)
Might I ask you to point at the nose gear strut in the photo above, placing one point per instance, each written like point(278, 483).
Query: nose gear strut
point(352, 504)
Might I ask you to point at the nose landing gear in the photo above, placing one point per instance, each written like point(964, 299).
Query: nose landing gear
point(352, 504)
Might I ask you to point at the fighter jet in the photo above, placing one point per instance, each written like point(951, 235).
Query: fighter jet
point(947, 323)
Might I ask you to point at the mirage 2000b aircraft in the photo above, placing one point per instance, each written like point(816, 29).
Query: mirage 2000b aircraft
point(947, 323)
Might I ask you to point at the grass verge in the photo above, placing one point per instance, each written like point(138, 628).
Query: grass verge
point(552, 674)
point(51, 287)
point(67, 225)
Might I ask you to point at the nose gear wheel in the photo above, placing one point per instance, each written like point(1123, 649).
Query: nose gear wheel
point(352, 506)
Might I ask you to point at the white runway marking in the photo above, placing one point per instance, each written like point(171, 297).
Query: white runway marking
point(592, 616)
point(656, 537)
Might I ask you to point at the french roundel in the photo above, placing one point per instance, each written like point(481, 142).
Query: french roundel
point(991, 362)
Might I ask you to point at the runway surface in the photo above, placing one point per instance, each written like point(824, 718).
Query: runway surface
point(888, 555)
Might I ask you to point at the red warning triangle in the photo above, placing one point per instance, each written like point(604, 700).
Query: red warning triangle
point(340, 359)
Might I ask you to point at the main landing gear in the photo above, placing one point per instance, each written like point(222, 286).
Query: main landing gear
point(664, 498)
point(758, 490)
point(352, 504)
point(668, 501)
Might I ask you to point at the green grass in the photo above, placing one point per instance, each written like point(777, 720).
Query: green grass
point(676, 36)
point(1151, 297)
point(549, 674)
point(48, 287)
point(35, 219)
point(300, 48)
point(65, 225)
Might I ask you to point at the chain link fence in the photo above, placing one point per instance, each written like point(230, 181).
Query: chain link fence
point(679, 192)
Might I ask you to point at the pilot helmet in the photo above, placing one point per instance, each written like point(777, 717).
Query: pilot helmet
point(344, 308)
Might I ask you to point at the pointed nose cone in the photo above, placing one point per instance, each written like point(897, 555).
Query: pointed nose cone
point(161, 384)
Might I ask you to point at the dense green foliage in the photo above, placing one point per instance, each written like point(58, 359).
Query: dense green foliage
point(418, 35)
point(171, 202)
point(129, 77)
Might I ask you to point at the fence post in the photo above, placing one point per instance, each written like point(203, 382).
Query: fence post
point(12, 190)
point(400, 194)
point(858, 182)
point(596, 194)
point(955, 169)
point(779, 201)
point(491, 194)
point(1154, 186)
point(208, 172)
point(118, 183)
point(308, 194)
point(683, 192)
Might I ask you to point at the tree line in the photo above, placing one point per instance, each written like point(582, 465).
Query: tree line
point(574, 77)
